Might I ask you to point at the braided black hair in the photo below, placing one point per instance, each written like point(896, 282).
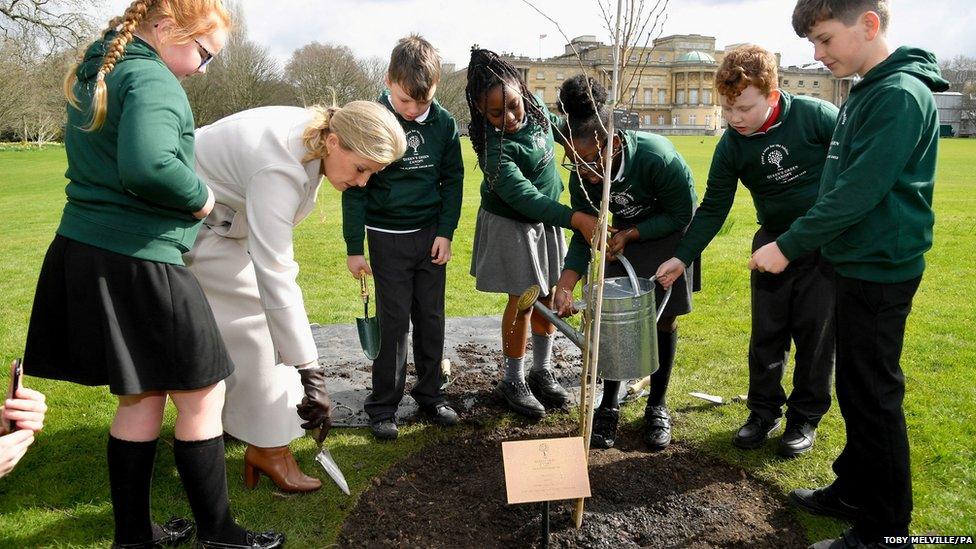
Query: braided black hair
point(584, 102)
point(485, 71)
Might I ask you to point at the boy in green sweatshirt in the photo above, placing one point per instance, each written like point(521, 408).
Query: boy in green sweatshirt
point(776, 144)
point(410, 211)
point(873, 221)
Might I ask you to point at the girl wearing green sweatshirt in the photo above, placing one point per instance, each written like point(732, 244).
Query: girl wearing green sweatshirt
point(652, 199)
point(518, 235)
point(114, 303)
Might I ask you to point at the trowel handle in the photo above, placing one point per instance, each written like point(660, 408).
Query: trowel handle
point(363, 292)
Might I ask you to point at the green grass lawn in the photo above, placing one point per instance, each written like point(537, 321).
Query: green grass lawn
point(59, 496)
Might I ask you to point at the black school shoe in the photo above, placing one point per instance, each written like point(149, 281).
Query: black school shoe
point(849, 540)
point(254, 540)
point(384, 429)
point(798, 438)
point(657, 427)
point(825, 502)
point(439, 414)
point(604, 427)
point(547, 389)
point(519, 398)
point(755, 432)
point(175, 531)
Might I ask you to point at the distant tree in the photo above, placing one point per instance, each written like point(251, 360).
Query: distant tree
point(316, 71)
point(243, 76)
point(960, 71)
point(59, 23)
point(450, 94)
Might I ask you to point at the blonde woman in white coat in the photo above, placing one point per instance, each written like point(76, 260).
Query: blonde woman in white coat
point(265, 166)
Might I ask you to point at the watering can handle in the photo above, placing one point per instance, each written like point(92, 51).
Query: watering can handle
point(664, 302)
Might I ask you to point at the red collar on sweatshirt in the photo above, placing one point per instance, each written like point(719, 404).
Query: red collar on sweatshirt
point(773, 117)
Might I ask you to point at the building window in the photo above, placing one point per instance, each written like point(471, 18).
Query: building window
point(660, 120)
point(648, 97)
point(633, 95)
point(540, 75)
point(786, 82)
point(799, 84)
point(560, 77)
point(694, 97)
point(647, 120)
point(708, 120)
point(816, 83)
point(662, 96)
point(681, 97)
point(540, 94)
point(661, 58)
point(692, 119)
point(708, 97)
point(675, 120)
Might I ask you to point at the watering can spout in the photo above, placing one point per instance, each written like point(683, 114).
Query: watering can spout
point(530, 299)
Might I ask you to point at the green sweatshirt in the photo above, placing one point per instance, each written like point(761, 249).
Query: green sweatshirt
point(655, 193)
point(874, 216)
point(421, 189)
point(132, 188)
point(781, 167)
point(521, 181)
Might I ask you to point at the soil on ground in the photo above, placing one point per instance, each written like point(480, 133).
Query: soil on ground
point(453, 495)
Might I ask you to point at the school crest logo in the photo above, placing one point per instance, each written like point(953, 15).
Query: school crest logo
point(539, 140)
point(414, 141)
point(843, 116)
point(775, 155)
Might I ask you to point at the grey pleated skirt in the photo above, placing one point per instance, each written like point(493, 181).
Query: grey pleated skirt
point(509, 256)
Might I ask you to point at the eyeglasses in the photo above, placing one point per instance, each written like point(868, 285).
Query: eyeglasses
point(205, 56)
point(593, 166)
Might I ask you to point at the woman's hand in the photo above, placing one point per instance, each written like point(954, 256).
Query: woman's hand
point(669, 271)
point(316, 407)
point(12, 448)
point(27, 409)
point(357, 265)
point(440, 252)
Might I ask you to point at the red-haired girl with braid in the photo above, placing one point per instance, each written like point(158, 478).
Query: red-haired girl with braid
point(115, 304)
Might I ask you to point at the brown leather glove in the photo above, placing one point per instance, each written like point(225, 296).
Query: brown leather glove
point(316, 406)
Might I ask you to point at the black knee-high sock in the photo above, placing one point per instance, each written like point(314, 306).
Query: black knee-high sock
point(611, 394)
point(130, 471)
point(666, 344)
point(203, 469)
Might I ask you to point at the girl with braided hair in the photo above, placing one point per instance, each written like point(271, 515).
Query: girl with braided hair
point(114, 303)
point(265, 167)
point(518, 238)
point(652, 199)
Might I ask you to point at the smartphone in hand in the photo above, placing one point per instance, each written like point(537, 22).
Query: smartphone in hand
point(16, 370)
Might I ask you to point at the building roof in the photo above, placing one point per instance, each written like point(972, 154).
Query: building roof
point(696, 57)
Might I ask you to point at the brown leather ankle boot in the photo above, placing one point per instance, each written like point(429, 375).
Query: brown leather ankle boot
point(280, 466)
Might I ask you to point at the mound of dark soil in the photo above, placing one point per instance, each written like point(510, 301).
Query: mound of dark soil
point(453, 495)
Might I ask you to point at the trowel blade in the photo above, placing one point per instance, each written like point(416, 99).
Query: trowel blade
point(710, 398)
point(324, 457)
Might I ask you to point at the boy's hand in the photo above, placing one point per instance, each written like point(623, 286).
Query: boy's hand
point(769, 259)
point(27, 409)
point(440, 252)
point(357, 264)
point(207, 207)
point(619, 241)
point(669, 271)
point(12, 448)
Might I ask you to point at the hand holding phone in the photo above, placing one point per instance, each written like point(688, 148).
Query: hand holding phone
point(16, 370)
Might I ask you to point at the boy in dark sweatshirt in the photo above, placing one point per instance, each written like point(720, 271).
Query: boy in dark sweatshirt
point(873, 221)
point(776, 144)
point(410, 211)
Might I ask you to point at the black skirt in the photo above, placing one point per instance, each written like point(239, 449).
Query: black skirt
point(102, 318)
point(646, 256)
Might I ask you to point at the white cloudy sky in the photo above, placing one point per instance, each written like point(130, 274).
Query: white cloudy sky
point(371, 27)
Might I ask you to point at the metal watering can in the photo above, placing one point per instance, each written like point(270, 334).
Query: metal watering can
point(628, 326)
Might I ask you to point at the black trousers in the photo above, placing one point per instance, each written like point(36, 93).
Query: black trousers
point(409, 288)
point(797, 305)
point(873, 470)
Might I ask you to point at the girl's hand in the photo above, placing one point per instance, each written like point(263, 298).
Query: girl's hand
point(586, 224)
point(440, 252)
point(619, 241)
point(207, 208)
point(669, 271)
point(562, 302)
point(357, 264)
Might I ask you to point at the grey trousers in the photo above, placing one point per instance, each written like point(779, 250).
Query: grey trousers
point(409, 289)
point(797, 305)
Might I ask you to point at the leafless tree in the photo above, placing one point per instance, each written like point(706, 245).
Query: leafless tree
point(317, 71)
point(450, 94)
point(960, 71)
point(60, 23)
